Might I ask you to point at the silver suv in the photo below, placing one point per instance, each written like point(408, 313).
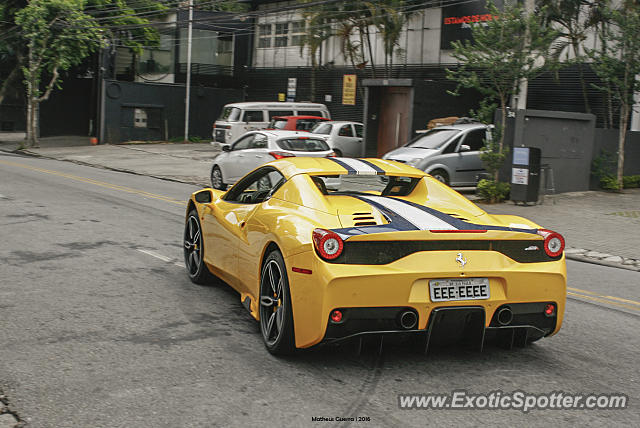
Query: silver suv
point(449, 153)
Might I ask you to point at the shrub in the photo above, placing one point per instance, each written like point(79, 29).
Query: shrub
point(631, 181)
point(609, 182)
point(492, 191)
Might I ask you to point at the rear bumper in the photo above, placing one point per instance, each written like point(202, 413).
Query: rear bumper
point(404, 284)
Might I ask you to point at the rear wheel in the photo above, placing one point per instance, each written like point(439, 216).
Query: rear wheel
point(216, 178)
point(338, 152)
point(194, 251)
point(276, 315)
point(441, 175)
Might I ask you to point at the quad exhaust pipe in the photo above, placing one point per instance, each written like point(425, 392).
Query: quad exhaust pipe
point(408, 320)
point(505, 316)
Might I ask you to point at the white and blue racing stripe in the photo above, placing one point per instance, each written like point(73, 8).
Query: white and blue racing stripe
point(464, 225)
point(358, 166)
point(420, 219)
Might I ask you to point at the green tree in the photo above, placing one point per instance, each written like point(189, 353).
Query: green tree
point(618, 66)
point(318, 18)
point(389, 17)
point(58, 36)
point(573, 20)
point(40, 51)
point(510, 47)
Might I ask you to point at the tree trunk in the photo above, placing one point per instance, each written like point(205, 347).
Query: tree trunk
point(585, 98)
point(503, 125)
point(622, 135)
point(314, 66)
point(373, 63)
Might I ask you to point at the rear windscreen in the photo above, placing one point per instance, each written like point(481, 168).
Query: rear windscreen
point(306, 124)
point(365, 184)
point(303, 144)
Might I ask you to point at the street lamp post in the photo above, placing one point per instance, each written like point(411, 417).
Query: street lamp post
point(187, 97)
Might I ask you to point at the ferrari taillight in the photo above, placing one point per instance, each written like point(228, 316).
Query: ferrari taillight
point(280, 155)
point(553, 242)
point(550, 309)
point(328, 244)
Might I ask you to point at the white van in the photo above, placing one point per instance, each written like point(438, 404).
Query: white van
point(239, 118)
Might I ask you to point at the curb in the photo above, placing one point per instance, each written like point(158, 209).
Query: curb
point(579, 258)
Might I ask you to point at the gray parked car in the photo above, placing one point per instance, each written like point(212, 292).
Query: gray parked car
point(449, 153)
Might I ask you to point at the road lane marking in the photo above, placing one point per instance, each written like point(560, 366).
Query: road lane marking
point(608, 302)
point(156, 255)
point(602, 296)
point(97, 183)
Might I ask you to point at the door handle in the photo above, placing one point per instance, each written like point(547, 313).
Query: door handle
point(242, 224)
point(258, 156)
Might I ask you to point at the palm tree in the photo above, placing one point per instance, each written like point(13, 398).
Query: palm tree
point(573, 20)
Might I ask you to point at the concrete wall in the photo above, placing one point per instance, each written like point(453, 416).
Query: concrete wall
point(566, 140)
point(164, 108)
point(607, 140)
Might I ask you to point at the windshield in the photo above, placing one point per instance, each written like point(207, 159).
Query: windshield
point(321, 128)
point(303, 144)
point(367, 185)
point(432, 139)
point(230, 114)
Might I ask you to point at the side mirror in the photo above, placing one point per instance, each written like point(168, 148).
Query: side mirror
point(226, 147)
point(204, 196)
point(464, 148)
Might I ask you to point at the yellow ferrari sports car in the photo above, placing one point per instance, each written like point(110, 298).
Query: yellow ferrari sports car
point(327, 249)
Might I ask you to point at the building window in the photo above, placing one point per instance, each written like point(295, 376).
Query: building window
point(282, 38)
point(264, 31)
point(298, 31)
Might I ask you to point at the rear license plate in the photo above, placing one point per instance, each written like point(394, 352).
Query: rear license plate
point(445, 290)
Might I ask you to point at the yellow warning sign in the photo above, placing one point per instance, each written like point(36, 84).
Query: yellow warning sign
point(280, 96)
point(349, 89)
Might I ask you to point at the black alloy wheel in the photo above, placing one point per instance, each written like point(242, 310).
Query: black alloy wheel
point(194, 250)
point(276, 315)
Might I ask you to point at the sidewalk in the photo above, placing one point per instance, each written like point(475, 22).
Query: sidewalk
point(598, 226)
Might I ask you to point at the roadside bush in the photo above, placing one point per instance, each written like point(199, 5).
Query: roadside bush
point(609, 182)
point(492, 191)
point(631, 181)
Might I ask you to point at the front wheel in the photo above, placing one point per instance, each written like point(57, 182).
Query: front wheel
point(441, 175)
point(216, 178)
point(276, 315)
point(194, 251)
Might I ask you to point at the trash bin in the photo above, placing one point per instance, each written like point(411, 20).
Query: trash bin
point(525, 174)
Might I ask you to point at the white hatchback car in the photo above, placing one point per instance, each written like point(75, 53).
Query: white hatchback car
point(345, 138)
point(256, 148)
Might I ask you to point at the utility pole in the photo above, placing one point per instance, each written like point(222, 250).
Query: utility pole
point(187, 98)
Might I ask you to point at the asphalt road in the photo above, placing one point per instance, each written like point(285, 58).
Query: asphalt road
point(100, 327)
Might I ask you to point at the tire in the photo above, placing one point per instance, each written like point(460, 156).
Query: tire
point(440, 175)
point(216, 178)
point(276, 314)
point(194, 251)
point(338, 153)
